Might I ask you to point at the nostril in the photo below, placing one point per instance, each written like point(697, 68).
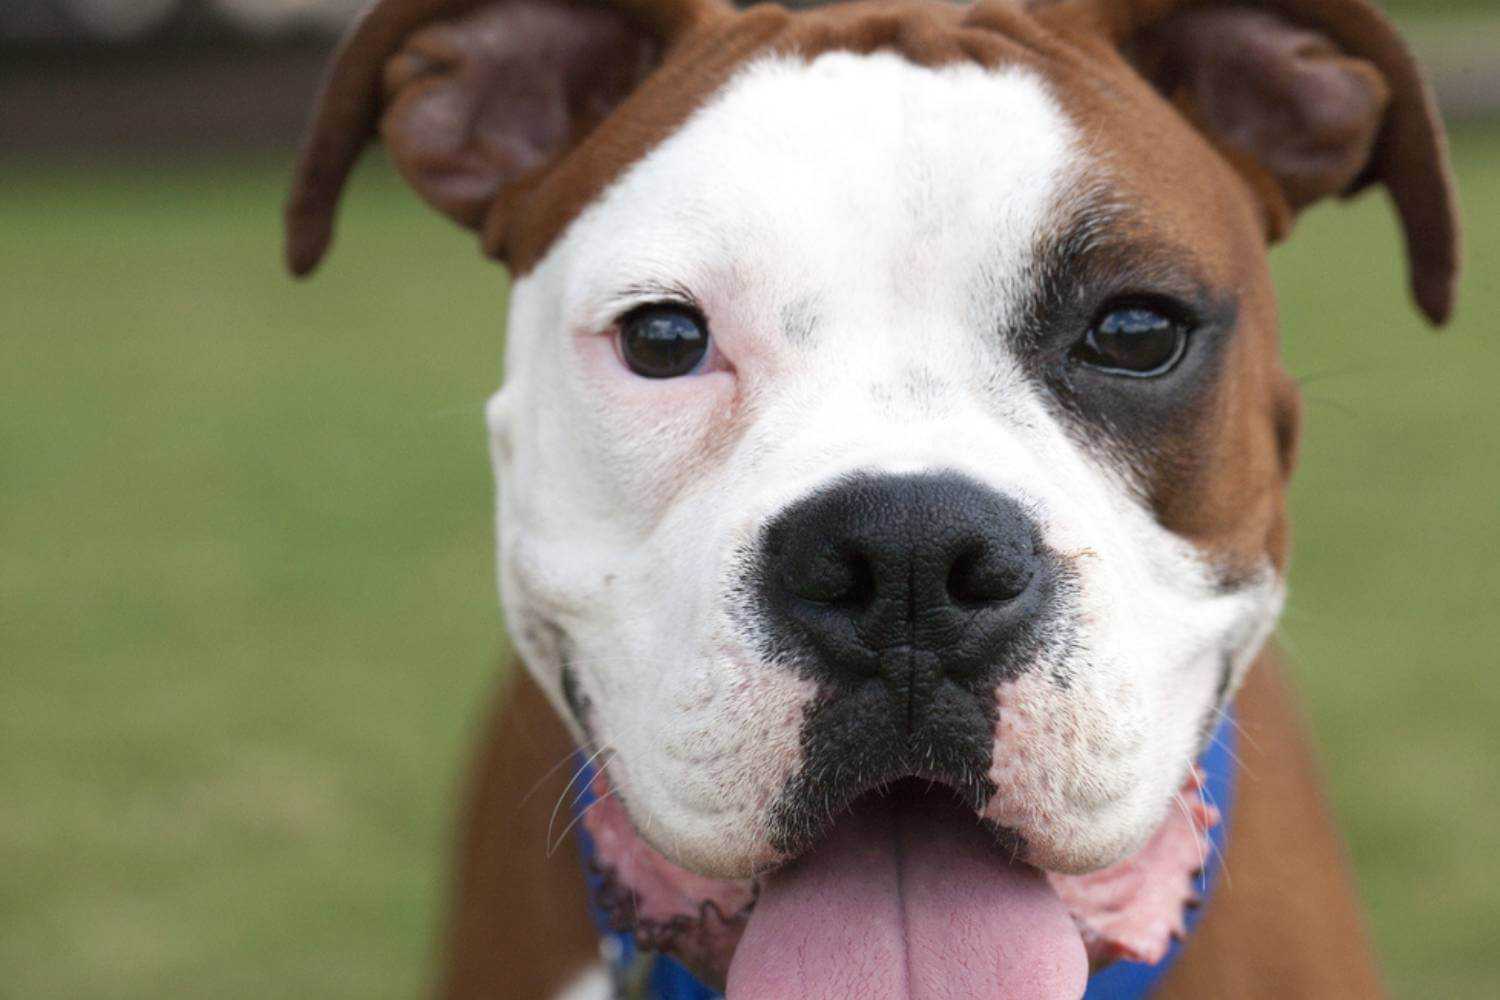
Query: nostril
point(908, 579)
point(840, 578)
point(980, 576)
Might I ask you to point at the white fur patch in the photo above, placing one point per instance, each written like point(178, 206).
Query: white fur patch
point(857, 230)
point(594, 983)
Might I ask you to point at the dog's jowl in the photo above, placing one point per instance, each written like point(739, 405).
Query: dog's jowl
point(892, 454)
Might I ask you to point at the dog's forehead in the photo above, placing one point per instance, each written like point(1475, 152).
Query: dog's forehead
point(705, 61)
point(1138, 149)
point(817, 188)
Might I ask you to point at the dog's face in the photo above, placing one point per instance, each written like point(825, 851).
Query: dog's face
point(887, 342)
point(894, 392)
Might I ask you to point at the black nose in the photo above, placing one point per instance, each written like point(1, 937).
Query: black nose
point(914, 579)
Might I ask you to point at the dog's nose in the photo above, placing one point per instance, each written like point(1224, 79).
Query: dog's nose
point(912, 578)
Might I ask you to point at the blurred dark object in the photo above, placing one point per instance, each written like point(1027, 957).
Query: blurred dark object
point(125, 21)
point(184, 98)
point(97, 76)
point(70, 20)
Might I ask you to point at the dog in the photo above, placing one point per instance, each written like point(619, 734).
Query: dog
point(892, 466)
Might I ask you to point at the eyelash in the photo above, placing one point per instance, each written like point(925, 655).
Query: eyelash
point(638, 297)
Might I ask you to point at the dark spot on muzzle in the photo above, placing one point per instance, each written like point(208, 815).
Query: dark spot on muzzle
point(908, 599)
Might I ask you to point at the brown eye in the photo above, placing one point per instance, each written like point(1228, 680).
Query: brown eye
point(663, 341)
point(1140, 341)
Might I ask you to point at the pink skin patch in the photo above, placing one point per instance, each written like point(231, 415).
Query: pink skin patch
point(1132, 910)
point(697, 920)
point(1135, 909)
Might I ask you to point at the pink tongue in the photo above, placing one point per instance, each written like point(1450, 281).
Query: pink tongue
point(908, 898)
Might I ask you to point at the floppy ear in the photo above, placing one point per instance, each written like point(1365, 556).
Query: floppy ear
point(1308, 98)
point(472, 97)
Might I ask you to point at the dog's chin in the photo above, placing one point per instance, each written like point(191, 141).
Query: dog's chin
point(905, 864)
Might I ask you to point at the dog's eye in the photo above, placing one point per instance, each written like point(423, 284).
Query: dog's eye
point(663, 341)
point(1139, 340)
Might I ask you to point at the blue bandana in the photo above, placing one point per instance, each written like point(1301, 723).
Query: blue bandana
point(666, 979)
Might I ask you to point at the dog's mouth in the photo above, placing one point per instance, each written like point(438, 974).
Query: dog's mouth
point(909, 890)
point(909, 894)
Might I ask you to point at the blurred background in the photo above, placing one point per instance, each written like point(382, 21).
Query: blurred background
point(247, 624)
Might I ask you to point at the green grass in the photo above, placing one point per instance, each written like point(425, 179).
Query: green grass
point(246, 614)
point(1394, 621)
point(246, 590)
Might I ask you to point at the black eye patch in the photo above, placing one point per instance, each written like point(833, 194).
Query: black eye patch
point(1126, 336)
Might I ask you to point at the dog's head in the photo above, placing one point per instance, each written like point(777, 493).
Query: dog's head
point(892, 389)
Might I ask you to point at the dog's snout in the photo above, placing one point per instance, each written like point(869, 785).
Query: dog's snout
point(908, 599)
point(882, 572)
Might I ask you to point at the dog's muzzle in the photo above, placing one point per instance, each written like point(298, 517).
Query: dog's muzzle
point(907, 598)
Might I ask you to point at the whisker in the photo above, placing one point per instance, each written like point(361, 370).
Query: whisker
point(1240, 731)
point(1214, 848)
point(1345, 371)
point(550, 772)
point(1229, 751)
point(582, 770)
point(1187, 814)
point(584, 788)
point(1338, 406)
point(552, 846)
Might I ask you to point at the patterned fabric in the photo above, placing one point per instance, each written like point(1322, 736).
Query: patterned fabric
point(649, 976)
